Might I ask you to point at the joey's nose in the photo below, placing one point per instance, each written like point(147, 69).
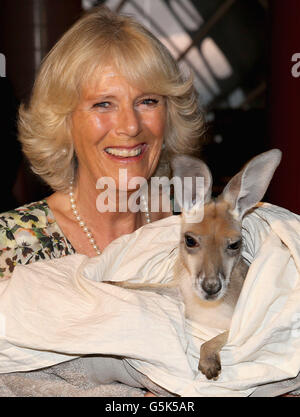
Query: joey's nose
point(211, 285)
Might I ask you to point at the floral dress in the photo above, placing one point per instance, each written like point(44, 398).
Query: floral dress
point(29, 234)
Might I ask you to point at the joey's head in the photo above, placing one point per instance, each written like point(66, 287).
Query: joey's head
point(211, 238)
point(210, 250)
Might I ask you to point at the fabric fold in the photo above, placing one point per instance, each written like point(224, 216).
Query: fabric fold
point(53, 311)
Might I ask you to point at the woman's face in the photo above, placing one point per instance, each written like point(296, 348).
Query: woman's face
point(117, 126)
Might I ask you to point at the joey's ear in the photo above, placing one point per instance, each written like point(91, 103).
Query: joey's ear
point(248, 187)
point(188, 168)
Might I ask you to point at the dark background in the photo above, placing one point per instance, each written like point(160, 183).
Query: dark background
point(258, 38)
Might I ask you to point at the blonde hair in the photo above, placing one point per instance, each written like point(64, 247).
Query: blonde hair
point(98, 39)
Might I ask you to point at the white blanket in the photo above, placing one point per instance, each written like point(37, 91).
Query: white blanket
point(55, 310)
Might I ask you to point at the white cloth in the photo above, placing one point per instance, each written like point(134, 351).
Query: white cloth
point(55, 310)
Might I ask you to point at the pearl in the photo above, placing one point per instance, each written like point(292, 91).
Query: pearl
point(82, 224)
point(144, 204)
point(80, 221)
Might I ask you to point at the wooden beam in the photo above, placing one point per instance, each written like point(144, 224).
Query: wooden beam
point(206, 27)
point(256, 92)
point(120, 5)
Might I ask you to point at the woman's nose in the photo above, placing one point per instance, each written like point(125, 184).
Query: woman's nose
point(128, 123)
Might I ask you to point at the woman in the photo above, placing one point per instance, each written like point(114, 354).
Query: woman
point(108, 97)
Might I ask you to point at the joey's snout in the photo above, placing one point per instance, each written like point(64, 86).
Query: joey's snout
point(211, 285)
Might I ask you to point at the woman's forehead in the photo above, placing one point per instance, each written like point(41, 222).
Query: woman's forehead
point(107, 80)
point(102, 77)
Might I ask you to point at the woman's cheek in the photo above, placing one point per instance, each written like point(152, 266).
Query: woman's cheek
point(103, 124)
point(156, 124)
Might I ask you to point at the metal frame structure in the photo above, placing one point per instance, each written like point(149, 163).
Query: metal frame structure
point(201, 33)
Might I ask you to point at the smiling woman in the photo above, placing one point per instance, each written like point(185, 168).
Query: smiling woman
point(108, 97)
point(100, 41)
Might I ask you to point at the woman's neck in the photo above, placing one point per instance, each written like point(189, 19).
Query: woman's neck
point(105, 227)
point(106, 214)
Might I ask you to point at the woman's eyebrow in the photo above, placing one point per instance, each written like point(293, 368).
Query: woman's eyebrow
point(100, 96)
point(110, 95)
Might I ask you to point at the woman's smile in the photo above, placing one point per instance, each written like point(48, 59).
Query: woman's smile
point(127, 154)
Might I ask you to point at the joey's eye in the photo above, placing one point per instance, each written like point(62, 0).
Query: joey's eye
point(235, 245)
point(190, 241)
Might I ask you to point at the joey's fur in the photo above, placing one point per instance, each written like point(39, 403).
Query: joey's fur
point(210, 271)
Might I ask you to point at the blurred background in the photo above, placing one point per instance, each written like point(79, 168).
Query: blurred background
point(239, 50)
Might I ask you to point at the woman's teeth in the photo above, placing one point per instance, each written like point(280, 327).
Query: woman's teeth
point(125, 153)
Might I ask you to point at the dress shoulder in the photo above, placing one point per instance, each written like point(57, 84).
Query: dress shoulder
point(29, 234)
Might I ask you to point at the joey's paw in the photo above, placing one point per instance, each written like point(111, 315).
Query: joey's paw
point(210, 366)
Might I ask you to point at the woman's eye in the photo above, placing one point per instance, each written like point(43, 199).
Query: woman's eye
point(150, 101)
point(235, 245)
point(190, 241)
point(102, 104)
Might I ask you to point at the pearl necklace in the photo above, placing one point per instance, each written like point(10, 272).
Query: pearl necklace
point(83, 225)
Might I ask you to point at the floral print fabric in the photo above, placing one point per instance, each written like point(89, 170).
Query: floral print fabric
point(29, 234)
